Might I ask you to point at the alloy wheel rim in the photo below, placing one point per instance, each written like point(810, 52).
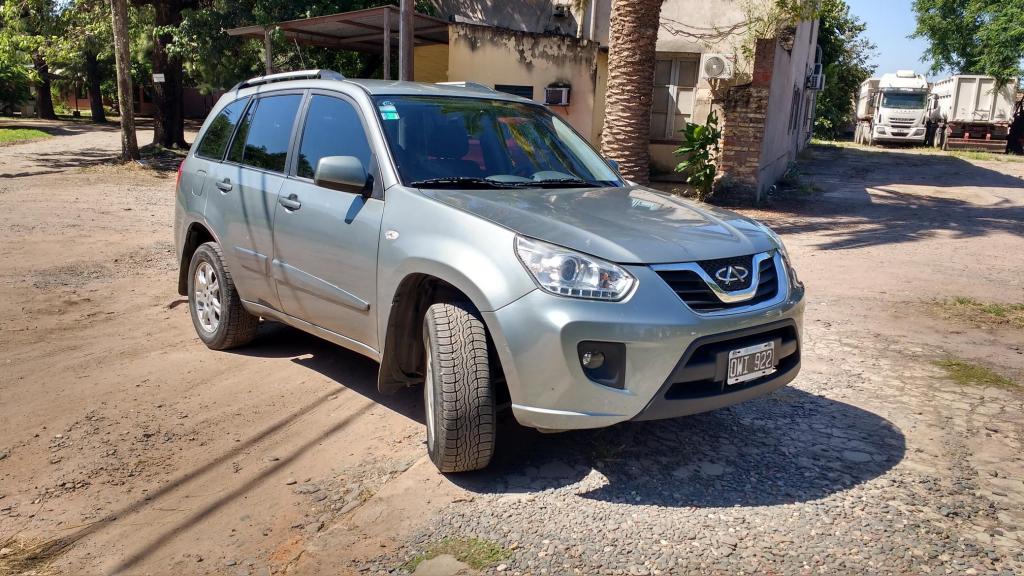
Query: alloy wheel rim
point(206, 295)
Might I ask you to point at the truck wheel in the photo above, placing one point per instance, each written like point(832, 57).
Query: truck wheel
point(457, 391)
point(217, 311)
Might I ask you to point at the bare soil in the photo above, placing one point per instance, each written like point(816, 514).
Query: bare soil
point(128, 447)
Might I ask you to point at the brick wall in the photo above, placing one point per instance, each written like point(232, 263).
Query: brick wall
point(744, 111)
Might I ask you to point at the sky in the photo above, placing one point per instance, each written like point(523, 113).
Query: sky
point(889, 23)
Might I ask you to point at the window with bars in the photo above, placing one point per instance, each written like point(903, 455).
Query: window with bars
point(674, 82)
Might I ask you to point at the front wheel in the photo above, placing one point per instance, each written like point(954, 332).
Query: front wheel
point(457, 390)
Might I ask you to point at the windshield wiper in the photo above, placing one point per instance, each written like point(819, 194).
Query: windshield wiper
point(558, 182)
point(458, 182)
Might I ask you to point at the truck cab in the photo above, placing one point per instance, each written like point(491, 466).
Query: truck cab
point(893, 109)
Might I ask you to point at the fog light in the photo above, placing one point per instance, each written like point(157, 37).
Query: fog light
point(603, 362)
point(592, 360)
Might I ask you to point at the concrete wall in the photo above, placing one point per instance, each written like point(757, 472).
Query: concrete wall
point(496, 56)
point(782, 141)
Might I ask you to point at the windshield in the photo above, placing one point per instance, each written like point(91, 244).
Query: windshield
point(475, 142)
point(903, 101)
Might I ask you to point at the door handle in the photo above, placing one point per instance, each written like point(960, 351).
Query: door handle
point(224, 185)
point(291, 202)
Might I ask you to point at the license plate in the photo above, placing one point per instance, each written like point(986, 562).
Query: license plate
point(750, 363)
point(899, 133)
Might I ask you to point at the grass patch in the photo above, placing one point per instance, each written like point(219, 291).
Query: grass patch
point(984, 312)
point(476, 552)
point(985, 156)
point(8, 135)
point(967, 374)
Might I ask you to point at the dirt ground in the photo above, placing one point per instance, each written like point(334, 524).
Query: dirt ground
point(128, 447)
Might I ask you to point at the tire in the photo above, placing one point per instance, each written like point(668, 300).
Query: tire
point(226, 323)
point(457, 393)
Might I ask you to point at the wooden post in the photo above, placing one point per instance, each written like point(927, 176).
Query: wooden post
point(387, 43)
point(406, 36)
point(268, 51)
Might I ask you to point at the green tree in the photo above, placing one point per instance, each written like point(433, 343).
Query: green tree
point(846, 54)
point(973, 36)
point(33, 31)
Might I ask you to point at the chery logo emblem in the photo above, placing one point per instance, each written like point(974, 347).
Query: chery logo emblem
point(730, 274)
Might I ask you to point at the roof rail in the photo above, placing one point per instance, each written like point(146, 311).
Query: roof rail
point(285, 76)
point(464, 84)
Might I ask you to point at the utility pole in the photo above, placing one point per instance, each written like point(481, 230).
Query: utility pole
point(129, 144)
point(406, 37)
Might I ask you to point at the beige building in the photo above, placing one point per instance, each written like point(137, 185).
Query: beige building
point(529, 46)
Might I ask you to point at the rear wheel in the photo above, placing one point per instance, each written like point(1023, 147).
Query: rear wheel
point(217, 312)
point(457, 390)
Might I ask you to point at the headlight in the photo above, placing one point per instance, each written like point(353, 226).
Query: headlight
point(567, 273)
point(781, 247)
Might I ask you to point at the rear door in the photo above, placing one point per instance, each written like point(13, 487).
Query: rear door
point(244, 189)
point(325, 241)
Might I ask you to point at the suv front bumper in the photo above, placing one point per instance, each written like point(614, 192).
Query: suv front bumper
point(536, 338)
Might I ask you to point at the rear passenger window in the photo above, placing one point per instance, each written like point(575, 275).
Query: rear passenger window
point(332, 129)
point(215, 141)
point(262, 138)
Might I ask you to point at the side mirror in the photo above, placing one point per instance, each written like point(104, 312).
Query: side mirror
point(613, 164)
point(345, 173)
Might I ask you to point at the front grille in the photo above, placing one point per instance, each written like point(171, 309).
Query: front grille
point(696, 293)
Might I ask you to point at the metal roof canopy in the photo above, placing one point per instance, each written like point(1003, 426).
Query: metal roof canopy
point(360, 30)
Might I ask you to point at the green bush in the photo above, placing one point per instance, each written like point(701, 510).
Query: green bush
point(700, 149)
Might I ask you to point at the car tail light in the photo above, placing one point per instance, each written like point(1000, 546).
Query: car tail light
point(177, 182)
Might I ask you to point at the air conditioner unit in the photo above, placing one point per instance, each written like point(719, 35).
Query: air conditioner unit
point(816, 82)
point(716, 67)
point(556, 96)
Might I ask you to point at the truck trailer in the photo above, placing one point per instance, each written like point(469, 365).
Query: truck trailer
point(971, 112)
point(892, 109)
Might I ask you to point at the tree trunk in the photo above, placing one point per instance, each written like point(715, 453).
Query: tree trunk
point(631, 54)
point(119, 15)
point(44, 98)
point(92, 76)
point(168, 96)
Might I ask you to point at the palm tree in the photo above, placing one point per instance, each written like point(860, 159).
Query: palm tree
point(632, 41)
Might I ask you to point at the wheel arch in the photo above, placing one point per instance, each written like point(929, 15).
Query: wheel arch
point(402, 358)
point(196, 235)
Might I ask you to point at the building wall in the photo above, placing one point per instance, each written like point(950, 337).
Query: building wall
point(496, 56)
point(430, 63)
point(536, 16)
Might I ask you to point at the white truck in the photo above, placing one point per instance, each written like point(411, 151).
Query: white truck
point(970, 112)
point(893, 109)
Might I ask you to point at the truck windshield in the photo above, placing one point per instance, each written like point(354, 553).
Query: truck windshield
point(902, 100)
point(482, 143)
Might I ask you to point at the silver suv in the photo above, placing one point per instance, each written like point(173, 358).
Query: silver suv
point(472, 242)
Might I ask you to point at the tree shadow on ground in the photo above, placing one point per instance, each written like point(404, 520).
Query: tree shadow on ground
point(869, 199)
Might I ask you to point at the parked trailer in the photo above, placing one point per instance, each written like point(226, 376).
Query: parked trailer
point(892, 108)
point(971, 112)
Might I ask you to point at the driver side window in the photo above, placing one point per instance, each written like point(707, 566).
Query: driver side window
point(332, 128)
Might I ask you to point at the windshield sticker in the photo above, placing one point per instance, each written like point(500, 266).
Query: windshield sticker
point(388, 111)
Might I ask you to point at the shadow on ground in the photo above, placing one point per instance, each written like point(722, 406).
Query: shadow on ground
point(790, 446)
point(868, 198)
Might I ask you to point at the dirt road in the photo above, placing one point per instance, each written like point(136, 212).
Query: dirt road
point(128, 447)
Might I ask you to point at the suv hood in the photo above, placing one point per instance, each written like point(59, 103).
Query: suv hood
point(629, 225)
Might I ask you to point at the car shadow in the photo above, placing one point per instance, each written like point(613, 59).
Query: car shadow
point(790, 446)
point(349, 369)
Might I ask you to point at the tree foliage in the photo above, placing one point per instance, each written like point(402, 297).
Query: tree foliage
point(846, 54)
point(973, 36)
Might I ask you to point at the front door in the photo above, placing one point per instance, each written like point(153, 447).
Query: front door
point(325, 241)
point(242, 194)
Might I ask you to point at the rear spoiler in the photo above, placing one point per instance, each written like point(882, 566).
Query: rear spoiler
point(286, 76)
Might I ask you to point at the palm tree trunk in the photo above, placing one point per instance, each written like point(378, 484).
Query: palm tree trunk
point(632, 43)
